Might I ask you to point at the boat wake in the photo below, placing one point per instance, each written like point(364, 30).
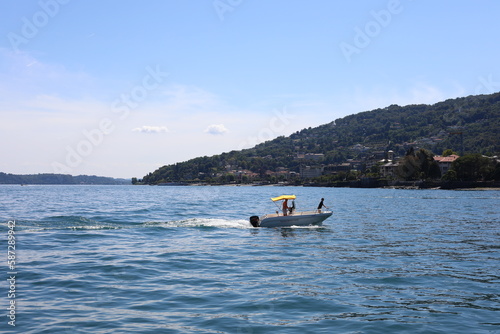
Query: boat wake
point(219, 223)
point(203, 222)
point(79, 223)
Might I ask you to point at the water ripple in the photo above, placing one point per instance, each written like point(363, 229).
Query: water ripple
point(181, 260)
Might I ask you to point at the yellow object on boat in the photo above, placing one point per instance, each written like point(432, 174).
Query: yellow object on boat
point(282, 197)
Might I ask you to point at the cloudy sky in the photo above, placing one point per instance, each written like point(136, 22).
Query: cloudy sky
point(120, 88)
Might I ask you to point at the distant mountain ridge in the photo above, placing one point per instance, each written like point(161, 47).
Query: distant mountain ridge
point(59, 179)
point(466, 125)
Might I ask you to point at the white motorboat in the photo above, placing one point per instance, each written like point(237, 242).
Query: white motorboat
point(291, 218)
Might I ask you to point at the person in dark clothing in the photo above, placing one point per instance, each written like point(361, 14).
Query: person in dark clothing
point(292, 208)
point(321, 205)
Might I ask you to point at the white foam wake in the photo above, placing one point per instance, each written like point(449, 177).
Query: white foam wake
point(205, 222)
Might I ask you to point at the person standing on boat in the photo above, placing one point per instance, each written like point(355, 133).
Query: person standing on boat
point(292, 208)
point(321, 205)
point(285, 207)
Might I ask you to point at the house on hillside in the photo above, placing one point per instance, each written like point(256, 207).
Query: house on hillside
point(314, 156)
point(445, 162)
point(308, 172)
point(388, 167)
point(310, 156)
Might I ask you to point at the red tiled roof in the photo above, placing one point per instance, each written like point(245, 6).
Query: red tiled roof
point(449, 158)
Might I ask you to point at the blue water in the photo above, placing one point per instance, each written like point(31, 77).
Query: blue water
point(140, 259)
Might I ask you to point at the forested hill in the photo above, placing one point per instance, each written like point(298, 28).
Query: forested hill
point(58, 179)
point(466, 125)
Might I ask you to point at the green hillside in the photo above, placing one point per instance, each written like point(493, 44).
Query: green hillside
point(465, 125)
point(59, 179)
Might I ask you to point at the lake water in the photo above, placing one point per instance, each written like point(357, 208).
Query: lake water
point(141, 259)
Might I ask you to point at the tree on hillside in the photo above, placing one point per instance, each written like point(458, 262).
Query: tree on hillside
point(474, 167)
point(449, 152)
point(419, 165)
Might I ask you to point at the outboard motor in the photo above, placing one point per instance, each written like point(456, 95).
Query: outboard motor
point(255, 221)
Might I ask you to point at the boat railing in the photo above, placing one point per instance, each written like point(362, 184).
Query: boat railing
point(299, 213)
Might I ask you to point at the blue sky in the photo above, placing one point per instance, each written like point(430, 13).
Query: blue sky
point(120, 88)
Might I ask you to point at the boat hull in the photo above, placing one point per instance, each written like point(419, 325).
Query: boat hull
point(295, 220)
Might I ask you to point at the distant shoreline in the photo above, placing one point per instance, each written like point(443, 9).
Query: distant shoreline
point(479, 188)
point(59, 179)
point(405, 185)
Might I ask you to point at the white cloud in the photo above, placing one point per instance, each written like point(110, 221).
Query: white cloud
point(151, 129)
point(216, 129)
